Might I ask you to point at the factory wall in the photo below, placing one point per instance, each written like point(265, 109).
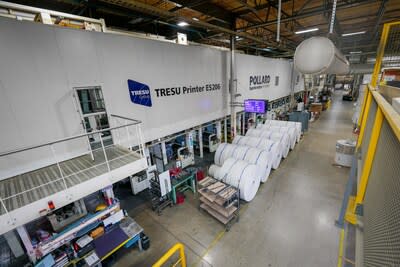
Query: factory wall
point(187, 85)
point(256, 77)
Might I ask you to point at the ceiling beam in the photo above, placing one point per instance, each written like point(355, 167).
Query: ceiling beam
point(207, 8)
point(259, 7)
point(155, 11)
point(309, 13)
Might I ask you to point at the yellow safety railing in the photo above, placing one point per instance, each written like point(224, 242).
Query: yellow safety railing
point(384, 112)
point(170, 253)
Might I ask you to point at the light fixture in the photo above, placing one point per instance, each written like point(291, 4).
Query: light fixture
point(238, 38)
point(353, 33)
point(307, 30)
point(195, 19)
point(178, 5)
point(356, 52)
point(182, 24)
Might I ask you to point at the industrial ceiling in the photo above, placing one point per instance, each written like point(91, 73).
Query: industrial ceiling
point(255, 22)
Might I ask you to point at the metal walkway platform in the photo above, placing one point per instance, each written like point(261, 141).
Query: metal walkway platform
point(21, 190)
point(25, 196)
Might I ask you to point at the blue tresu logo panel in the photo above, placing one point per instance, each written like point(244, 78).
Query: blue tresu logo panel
point(140, 93)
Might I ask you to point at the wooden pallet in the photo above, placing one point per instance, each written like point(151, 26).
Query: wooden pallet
point(220, 200)
point(215, 214)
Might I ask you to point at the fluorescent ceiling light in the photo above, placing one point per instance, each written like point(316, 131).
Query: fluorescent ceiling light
point(307, 30)
point(356, 52)
point(178, 5)
point(353, 33)
point(195, 19)
point(182, 23)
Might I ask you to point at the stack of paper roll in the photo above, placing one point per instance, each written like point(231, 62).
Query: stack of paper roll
point(282, 129)
point(259, 157)
point(270, 146)
point(281, 138)
point(240, 174)
point(290, 124)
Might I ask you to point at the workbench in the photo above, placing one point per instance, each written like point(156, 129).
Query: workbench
point(186, 180)
point(126, 234)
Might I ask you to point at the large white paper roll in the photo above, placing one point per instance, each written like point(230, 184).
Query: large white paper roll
point(224, 151)
point(259, 157)
point(283, 139)
point(226, 167)
point(297, 126)
point(243, 175)
point(272, 147)
point(262, 159)
point(253, 132)
point(240, 152)
point(291, 124)
point(213, 170)
point(284, 129)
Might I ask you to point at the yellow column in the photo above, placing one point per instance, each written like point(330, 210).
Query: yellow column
point(366, 170)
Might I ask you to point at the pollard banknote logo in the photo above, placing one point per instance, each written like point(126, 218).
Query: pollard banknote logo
point(140, 93)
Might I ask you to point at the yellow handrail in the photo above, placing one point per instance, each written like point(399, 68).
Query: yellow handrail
point(170, 252)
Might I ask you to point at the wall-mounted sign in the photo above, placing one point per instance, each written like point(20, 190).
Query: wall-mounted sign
point(259, 81)
point(255, 105)
point(139, 93)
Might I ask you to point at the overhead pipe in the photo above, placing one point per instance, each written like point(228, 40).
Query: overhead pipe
point(318, 55)
point(278, 26)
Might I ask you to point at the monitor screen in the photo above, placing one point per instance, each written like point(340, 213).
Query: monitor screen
point(255, 105)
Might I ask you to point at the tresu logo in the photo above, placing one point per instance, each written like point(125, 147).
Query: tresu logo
point(259, 81)
point(139, 93)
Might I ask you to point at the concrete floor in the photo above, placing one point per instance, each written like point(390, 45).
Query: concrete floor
point(289, 223)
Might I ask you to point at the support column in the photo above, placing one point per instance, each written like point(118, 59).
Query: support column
point(189, 141)
point(239, 123)
point(232, 88)
point(218, 128)
point(26, 240)
point(292, 81)
point(225, 130)
point(14, 243)
point(201, 141)
point(164, 153)
point(243, 123)
point(147, 154)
